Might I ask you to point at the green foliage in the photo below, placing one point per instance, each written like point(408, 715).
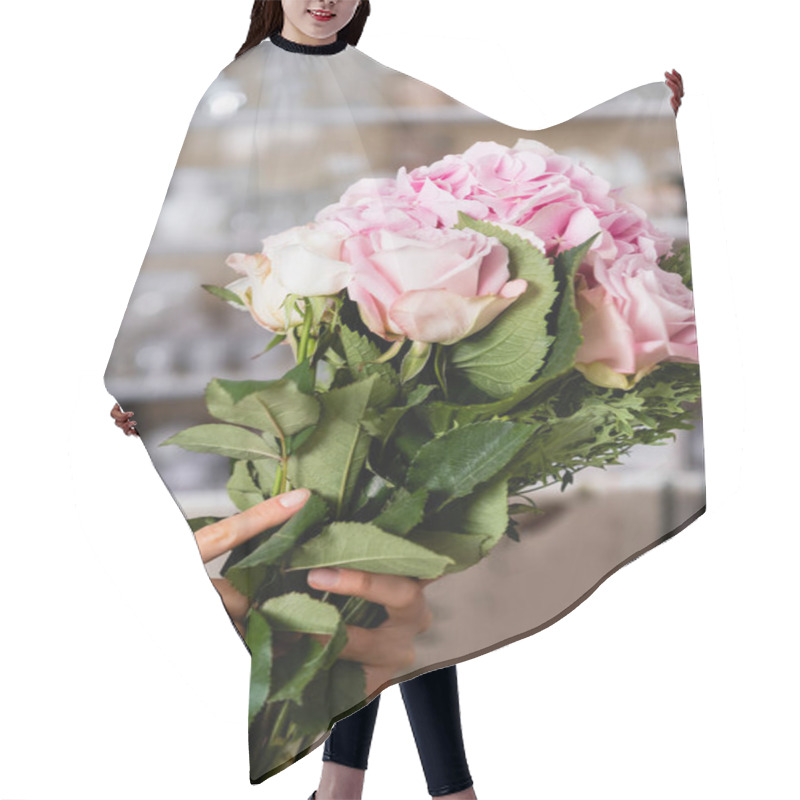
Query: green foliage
point(276, 407)
point(680, 262)
point(330, 461)
point(223, 294)
point(411, 453)
point(453, 464)
point(584, 425)
point(244, 573)
point(469, 528)
point(506, 354)
point(251, 482)
point(358, 545)
point(259, 641)
point(403, 512)
point(224, 440)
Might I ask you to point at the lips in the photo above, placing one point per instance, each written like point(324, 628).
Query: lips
point(321, 15)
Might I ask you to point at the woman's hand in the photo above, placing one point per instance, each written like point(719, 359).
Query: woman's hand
point(383, 651)
point(388, 649)
point(675, 82)
point(124, 420)
point(220, 537)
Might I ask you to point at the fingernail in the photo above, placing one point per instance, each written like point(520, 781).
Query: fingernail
point(324, 577)
point(293, 498)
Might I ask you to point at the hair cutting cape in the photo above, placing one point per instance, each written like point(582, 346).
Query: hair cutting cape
point(537, 424)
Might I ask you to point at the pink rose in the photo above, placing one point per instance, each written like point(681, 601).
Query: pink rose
point(445, 187)
point(635, 316)
point(373, 203)
point(431, 285)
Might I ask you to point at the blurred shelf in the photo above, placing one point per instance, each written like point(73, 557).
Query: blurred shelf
point(617, 108)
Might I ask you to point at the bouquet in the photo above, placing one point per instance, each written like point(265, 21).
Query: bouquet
point(465, 333)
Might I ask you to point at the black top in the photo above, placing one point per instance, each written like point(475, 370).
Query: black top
point(310, 49)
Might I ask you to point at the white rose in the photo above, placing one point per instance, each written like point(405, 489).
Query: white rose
point(302, 260)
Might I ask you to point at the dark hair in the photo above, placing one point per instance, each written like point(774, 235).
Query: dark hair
point(266, 18)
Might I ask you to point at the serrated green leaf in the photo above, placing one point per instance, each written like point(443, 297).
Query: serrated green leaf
point(332, 692)
point(283, 538)
point(372, 494)
point(277, 407)
point(302, 375)
point(381, 423)
point(482, 513)
point(259, 641)
point(298, 612)
point(330, 461)
point(469, 528)
point(456, 462)
point(224, 440)
point(567, 322)
point(362, 355)
point(403, 512)
point(441, 416)
point(292, 671)
point(251, 481)
point(366, 547)
point(507, 353)
point(463, 550)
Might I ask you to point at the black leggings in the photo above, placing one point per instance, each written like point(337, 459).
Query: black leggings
point(432, 706)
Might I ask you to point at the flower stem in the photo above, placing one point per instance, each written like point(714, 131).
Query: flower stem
point(305, 334)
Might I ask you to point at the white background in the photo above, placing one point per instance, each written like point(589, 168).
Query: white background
point(121, 675)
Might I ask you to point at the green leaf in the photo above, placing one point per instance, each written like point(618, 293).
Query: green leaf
point(381, 423)
point(403, 512)
point(567, 321)
point(284, 538)
point(224, 440)
point(342, 688)
point(469, 528)
point(251, 482)
point(371, 495)
point(463, 550)
point(277, 407)
point(362, 355)
point(330, 461)
point(681, 263)
point(507, 353)
point(297, 440)
point(517, 509)
point(298, 612)
point(302, 375)
point(366, 547)
point(483, 513)
point(589, 426)
point(295, 669)
point(348, 686)
point(274, 341)
point(456, 462)
point(259, 641)
point(414, 360)
point(224, 294)
point(441, 416)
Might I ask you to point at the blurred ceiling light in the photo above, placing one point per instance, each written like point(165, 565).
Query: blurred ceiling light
point(224, 99)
